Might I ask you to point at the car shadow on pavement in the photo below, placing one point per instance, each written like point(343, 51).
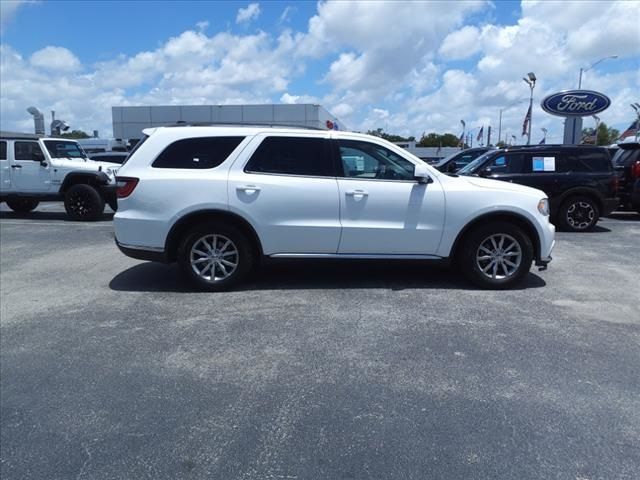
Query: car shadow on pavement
point(625, 216)
point(313, 274)
point(47, 216)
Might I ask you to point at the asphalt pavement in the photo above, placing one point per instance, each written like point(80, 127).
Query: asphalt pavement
point(111, 369)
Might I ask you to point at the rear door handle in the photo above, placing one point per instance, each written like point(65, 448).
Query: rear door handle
point(356, 193)
point(16, 166)
point(248, 188)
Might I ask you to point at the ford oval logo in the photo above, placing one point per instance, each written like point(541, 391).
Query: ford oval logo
point(575, 103)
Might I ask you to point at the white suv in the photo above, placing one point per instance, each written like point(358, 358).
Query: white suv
point(217, 199)
point(34, 169)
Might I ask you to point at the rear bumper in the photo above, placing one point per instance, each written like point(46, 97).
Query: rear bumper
point(142, 253)
point(108, 193)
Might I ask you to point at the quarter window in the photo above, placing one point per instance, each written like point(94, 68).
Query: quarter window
point(26, 150)
point(197, 153)
point(370, 161)
point(3, 150)
point(589, 162)
point(292, 156)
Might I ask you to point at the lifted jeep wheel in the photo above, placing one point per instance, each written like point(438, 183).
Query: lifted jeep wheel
point(22, 205)
point(83, 202)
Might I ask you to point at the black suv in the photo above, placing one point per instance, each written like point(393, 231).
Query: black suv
point(455, 162)
point(627, 165)
point(579, 180)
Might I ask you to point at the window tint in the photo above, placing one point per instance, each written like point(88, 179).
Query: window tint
point(589, 162)
point(3, 150)
point(25, 150)
point(370, 161)
point(507, 163)
point(292, 156)
point(198, 153)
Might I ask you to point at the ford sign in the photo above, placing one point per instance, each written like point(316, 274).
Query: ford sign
point(575, 103)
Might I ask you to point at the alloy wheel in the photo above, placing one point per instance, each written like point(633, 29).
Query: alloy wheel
point(499, 256)
point(214, 257)
point(580, 215)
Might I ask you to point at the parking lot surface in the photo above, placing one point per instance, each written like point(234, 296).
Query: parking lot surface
point(111, 369)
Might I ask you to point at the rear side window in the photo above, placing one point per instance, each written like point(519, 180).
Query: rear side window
point(589, 162)
point(3, 150)
point(25, 150)
point(292, 156)
point(197, 153)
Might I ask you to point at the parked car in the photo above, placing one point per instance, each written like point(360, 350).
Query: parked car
point(578, 179)
point(217, 199)
point(35, 169)
point(111, 157)
point(101, 145)
point(455, 162)
point(627, 165)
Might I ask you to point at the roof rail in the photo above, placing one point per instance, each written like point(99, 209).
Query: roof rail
point(231, 124)
point(29, 136)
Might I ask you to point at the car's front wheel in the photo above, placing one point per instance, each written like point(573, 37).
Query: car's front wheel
point(214, 257)
point(22, 205)
point(497, 255)
point(83, 203)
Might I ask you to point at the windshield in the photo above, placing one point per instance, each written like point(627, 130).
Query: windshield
point(64, 149)
point(446, 159)
point(468, 169)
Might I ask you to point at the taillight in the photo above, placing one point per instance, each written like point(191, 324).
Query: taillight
point(125, 186)
point(635, 169)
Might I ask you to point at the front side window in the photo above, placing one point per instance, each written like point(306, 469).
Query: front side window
point(196, 153)
point(3, 150)
point(27, 150)
point(62, 149)
point(507, 163)
point(370, 161)
point(308, 157)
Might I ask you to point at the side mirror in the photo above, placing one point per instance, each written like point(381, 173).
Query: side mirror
point(485, 172)
point(421, 173)
point(38, 156)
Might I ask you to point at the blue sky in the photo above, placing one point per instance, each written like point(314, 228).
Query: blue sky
point(406, 67)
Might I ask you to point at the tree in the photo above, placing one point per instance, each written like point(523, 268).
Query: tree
point(501, 144)
point(606, 135)
point(75, 134)
point(438, 140)
point(378, 132)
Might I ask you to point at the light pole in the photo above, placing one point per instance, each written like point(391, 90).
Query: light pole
point(597, 119)
point(531, 81)
point(586, 69)
point(520, 100)
point(464, 124)
point(544, 138)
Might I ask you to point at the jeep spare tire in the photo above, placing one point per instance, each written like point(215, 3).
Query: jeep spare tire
point(22, 205)
point(83, 202)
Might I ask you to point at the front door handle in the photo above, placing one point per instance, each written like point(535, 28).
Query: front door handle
point(16, 166)
point(250, 189)
point(357, 193)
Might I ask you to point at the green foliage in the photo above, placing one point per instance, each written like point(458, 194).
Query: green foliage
point(501, 144)
point(378, 132)
point(75, 134)
point(606, 135)
point(438, 140)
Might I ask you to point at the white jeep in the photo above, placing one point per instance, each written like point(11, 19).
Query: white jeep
point(217, 199)
point(35, 169)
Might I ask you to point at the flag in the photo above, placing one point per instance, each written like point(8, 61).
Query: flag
point(527, 119)
point(543, 141)
point(480, 134)
point(631, 131)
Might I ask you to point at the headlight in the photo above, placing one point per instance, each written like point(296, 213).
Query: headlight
point(543, 206)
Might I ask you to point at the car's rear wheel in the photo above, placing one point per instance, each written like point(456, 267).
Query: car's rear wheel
point(214, 257)
point(22, 205)
point(83, 203)
point(496, 255)
point(578, 214)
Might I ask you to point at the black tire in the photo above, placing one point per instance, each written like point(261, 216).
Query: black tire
point(22, 205)
point(473, 250)
point(578, 214)
point(83, 203)
point(244, 259)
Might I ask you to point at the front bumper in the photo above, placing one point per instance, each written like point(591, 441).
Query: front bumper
point(109, 193)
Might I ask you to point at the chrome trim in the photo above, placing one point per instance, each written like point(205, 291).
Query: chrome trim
point(356, 256)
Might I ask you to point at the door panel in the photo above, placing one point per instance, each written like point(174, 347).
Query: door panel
point(28, 175)
point(295, 212)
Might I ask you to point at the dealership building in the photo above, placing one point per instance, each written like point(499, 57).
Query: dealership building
point(128, 122)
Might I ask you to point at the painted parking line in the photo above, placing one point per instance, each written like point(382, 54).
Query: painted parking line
point(54, 224)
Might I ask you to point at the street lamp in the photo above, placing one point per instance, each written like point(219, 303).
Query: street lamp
point(585, 69)
point(520, 100)
point(544, 138)
point(597, 119)
point(531, 81)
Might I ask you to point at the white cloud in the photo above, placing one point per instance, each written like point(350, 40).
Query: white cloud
point(461, 44)
point(55, 58)
point(292, 99)
point(251, 12)
point(8, 9)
